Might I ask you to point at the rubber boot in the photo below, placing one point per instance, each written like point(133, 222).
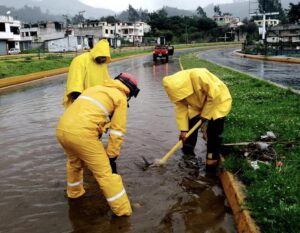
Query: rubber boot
point(212, 162)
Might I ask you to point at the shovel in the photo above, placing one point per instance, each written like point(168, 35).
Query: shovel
point(162, 161)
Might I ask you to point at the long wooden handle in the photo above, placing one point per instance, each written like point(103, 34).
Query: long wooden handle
point(179, 143)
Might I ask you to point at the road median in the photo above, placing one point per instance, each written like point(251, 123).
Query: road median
point(271, 195)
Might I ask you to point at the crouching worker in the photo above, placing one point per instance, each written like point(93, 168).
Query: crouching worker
point(198, 94)
point(78, 132)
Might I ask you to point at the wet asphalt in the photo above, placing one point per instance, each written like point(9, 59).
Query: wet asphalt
point(179, 197)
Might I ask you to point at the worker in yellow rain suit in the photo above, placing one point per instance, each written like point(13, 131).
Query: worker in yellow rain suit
point(199, 94)
point(87, 70)
point(78, 132)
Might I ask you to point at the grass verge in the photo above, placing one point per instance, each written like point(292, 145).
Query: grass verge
point(272, 193)
point(30, 63)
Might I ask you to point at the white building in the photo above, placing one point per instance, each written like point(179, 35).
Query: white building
point(226, 19)
point(69, 43)
point(269, 22)
point(94, 30)
point(34, 35)
point(9, 34)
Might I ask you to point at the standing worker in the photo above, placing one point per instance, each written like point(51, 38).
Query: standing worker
point(198, 94)
point(79, 129)
point(87, 70)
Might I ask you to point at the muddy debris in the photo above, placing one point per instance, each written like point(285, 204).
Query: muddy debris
point(260, 151)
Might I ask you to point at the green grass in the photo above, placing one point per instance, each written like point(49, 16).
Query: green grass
point(26, 64)
point(15, 68)
point(272, 192)
point(294, 55)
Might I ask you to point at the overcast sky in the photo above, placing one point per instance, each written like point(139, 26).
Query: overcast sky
point(152, 5)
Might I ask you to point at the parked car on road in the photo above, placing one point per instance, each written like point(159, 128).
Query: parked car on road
point(160, 51)
point(13, 51)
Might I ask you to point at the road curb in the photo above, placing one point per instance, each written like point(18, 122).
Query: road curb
point(11, 81)
point(268, 58)
point(235, 197)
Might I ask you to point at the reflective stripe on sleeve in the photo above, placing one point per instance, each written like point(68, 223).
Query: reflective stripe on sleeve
point(75, 183)
point(97, 103)
point(120, 194)
point(116, 132)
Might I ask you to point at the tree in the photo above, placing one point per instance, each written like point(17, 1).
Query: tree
point(144, 16)
point(162, 13)
point(269, 6)
point(78, 18)
point(217, 10)
point(133, 15)
point(109, 19)
point(201, 12)
point(294, 13)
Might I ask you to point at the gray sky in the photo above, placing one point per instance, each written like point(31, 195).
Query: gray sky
point(120, 5)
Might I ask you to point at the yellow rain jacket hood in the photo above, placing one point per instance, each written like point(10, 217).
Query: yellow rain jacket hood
point(197, 92)
point(84, 72)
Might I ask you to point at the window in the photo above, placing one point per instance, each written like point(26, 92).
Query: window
point(78, 40)
point(2, 27)
point(111, 31)
point(15, 30)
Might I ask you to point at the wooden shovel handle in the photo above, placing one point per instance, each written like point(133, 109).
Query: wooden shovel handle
point(179, 143)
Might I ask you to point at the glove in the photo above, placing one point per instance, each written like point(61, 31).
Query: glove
point(113, 165)
point(182, 135)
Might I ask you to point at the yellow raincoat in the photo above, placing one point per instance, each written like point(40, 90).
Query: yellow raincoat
point(197, 92)
point(78, 130)
point(84, 72)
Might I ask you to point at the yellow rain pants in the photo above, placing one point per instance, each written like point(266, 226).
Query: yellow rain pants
point(82, 150)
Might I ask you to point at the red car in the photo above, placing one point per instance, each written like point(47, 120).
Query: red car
point(161, 51)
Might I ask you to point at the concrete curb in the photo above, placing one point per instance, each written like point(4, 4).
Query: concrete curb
point(10, 81)
point(235, 197)
point(268, 58)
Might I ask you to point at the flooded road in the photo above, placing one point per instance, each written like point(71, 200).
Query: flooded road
point(286, 74)
point(179, 197)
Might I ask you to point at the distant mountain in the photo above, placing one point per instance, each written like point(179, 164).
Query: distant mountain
point(240, 8)
point(59, 7)
point(172, 11)
point(39, 10)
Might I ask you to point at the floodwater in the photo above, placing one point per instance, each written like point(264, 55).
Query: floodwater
point(286, 74)
point(179, 197)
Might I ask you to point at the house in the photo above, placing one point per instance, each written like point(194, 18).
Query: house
point(114, 32)
point(68, 43)
point(269, 22)
point(34, 35)
point(287, 35)
point(9, 34)
point(226, 19)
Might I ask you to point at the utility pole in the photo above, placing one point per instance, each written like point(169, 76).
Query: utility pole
point(115, 33)
point(263, 14)
point(80, 13)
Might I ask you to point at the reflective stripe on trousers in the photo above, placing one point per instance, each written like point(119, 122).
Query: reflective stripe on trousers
point(117, 196)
